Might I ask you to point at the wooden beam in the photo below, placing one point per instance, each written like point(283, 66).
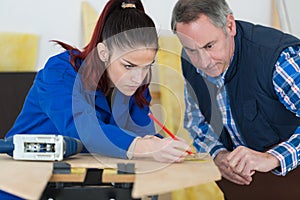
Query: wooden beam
point(111, 176)
point(275, 19)
point(76, 175)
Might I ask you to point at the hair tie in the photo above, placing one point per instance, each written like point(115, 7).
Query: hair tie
point(128, 5)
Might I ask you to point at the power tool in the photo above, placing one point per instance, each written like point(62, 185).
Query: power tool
point(42, 147)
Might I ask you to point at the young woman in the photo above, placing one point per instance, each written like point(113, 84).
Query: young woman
point(100, 95)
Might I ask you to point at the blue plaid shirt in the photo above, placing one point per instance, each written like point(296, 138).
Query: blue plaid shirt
point(286, 80)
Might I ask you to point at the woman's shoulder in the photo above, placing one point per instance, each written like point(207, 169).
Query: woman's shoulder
point(58, 67)
point(59, 61)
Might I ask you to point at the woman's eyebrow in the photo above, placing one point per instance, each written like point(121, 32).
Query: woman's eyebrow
point(134, 65)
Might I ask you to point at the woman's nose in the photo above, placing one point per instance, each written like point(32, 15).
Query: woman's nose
point(137, 75)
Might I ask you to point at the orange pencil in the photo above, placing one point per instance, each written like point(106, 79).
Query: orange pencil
point(165, 129)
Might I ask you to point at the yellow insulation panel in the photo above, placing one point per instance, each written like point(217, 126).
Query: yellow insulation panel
point(18, 51)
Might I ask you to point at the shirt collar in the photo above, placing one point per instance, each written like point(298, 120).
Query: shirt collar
point(218, 81)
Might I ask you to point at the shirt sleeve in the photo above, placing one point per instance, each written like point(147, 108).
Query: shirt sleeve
point(286, 80)
point(205, 139)
point(130, 151)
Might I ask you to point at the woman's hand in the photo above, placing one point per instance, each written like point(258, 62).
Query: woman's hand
point(162, 150)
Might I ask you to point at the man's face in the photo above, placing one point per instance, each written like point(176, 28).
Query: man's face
point(209, 47)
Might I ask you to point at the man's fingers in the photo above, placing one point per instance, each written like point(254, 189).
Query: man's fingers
point(237, 178)
point(239, 167)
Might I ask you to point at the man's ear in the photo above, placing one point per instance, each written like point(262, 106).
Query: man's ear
point(231, 26)
point(102, 52)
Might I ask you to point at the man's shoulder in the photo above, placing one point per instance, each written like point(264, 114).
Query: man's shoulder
point(264, 36)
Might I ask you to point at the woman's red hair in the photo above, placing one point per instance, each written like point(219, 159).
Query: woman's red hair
point(114, 20)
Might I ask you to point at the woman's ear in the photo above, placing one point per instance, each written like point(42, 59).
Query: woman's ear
point(102, 52)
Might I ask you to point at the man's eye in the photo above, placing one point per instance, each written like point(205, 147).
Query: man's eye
point(209, 46)
point(191, 50)
point(128, 66)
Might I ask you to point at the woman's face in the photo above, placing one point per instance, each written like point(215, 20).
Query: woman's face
point(127, 70)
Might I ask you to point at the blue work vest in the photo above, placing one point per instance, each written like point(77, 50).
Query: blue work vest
point(262, 120)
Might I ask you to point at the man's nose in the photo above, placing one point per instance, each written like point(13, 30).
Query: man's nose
point(203, 58)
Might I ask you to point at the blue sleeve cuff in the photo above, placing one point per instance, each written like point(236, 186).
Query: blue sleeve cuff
point(217, 149)
point(287, 154)
point(159, 135)
point(7, 196)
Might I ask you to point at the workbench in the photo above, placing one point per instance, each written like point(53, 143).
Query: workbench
point(30, 180)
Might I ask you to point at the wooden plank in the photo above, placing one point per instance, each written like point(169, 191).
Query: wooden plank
point(149, 173)
point(155, 95)
point(111, 176)
point(275, 16)
point(76, 175)
point(28, 179)
point(89, 161)
point(24, 179)
point(175, 176)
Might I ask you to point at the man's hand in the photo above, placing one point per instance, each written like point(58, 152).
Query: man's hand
point(227, 172)
point(245, 161)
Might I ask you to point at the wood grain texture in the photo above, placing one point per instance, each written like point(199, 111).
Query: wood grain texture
point(28, 179)
point(24, 179)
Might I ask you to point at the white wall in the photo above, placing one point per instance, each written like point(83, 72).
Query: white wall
point(61, 19)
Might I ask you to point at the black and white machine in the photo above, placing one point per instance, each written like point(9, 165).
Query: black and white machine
point(43, 147)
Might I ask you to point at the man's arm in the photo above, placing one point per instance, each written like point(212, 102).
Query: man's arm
point(205, 139)
point(286, 80)
point(284, 157)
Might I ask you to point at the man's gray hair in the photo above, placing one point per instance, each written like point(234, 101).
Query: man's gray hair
point(186, 11)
